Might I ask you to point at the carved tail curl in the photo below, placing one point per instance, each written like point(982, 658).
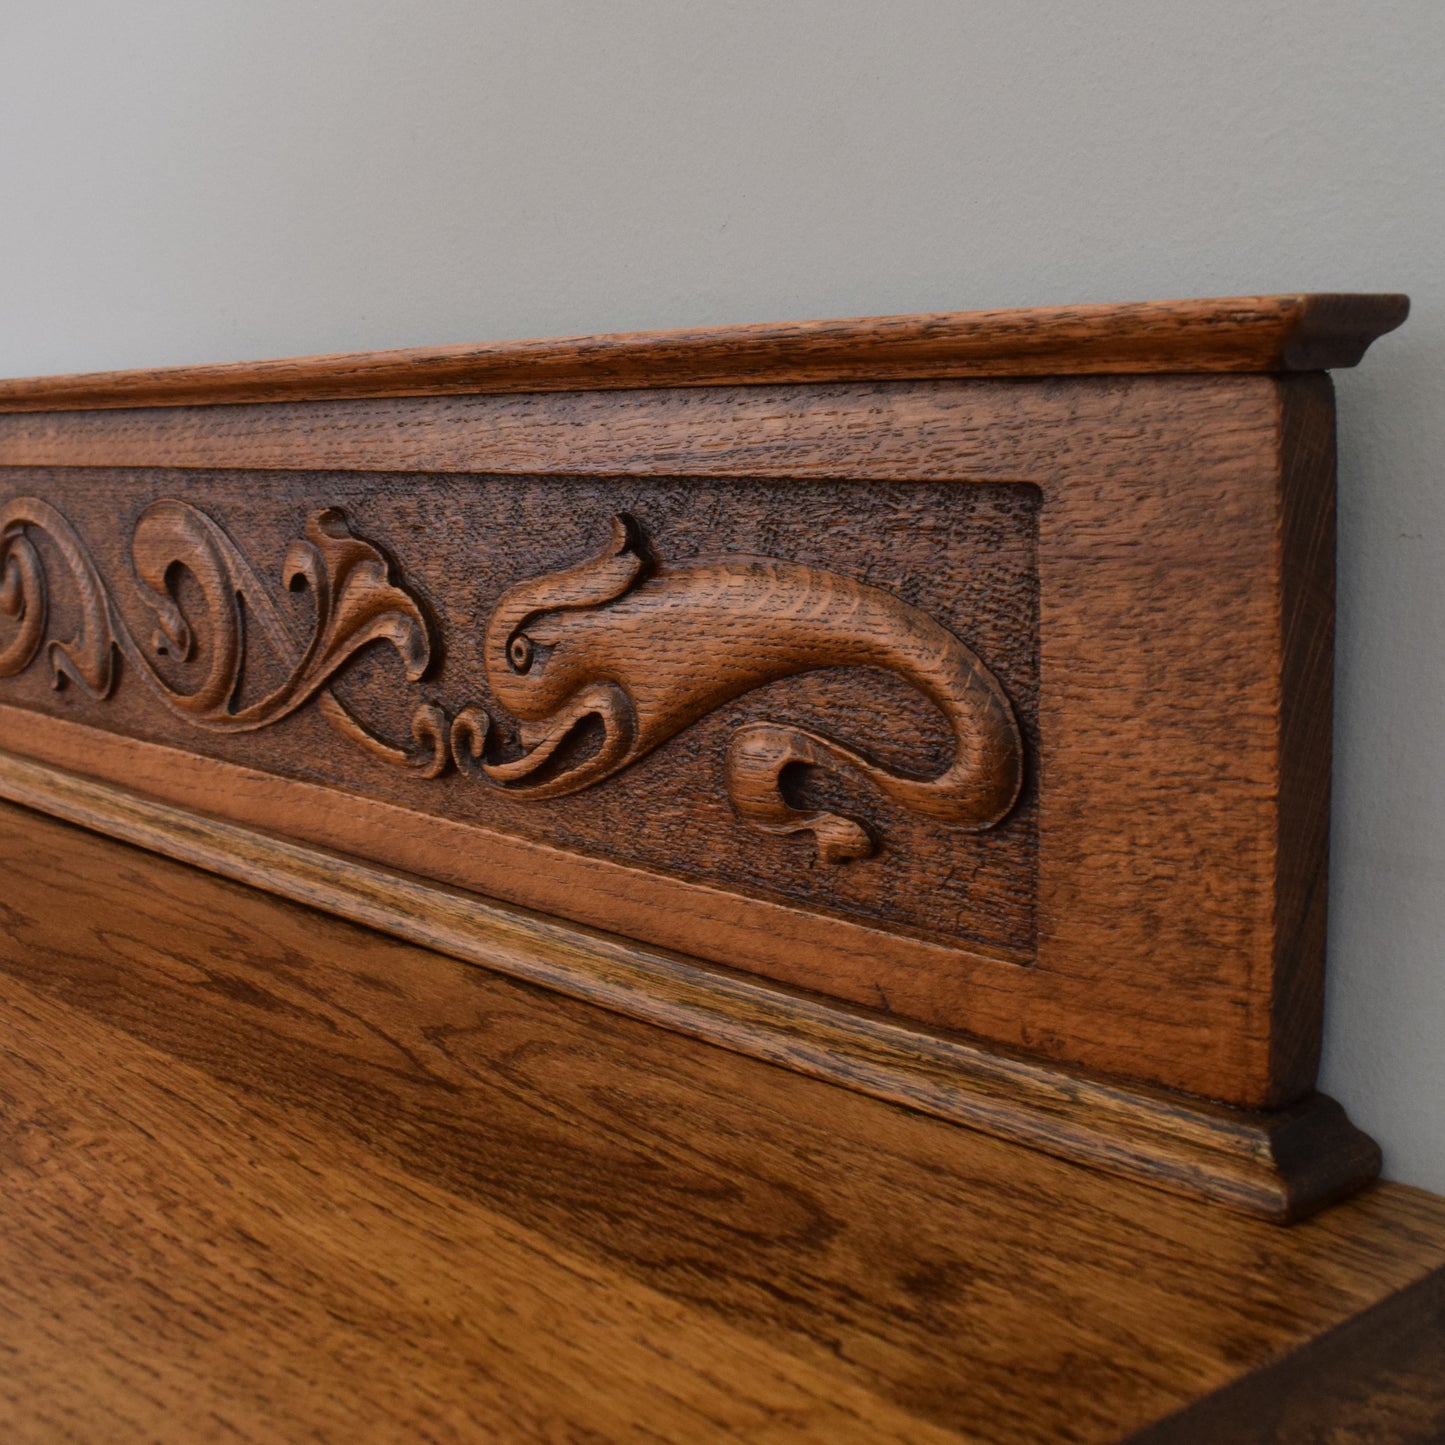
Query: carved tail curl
point(976, 791)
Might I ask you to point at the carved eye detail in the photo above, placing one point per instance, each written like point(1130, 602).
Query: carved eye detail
point(520, 652)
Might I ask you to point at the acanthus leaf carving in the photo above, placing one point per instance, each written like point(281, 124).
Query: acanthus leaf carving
point(357, 603)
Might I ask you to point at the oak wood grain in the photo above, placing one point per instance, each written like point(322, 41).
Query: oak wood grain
point(271, 1174)
point(1378, 1377)
point(183, 1265)
point(1284, 1165)
point(1245, 333)
point(1157, 917)
point(957, 432)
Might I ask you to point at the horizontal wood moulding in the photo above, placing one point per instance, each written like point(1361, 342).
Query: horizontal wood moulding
point(1237, 334)
point(1283, 1165)
point(991, 702)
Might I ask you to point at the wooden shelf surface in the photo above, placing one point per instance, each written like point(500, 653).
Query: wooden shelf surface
point(1233, 334)
point(271, 1176)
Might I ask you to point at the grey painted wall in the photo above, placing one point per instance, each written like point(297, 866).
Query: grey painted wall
point(190, 181)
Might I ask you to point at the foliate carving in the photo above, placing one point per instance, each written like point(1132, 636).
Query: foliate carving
point(632, 650)
point(597, 664)
point(356, 602)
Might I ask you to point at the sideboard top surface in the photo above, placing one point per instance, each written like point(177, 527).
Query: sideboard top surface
point(272, 1169)
point(1238, 334)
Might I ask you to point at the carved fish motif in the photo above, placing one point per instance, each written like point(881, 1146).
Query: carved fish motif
point(636, 650)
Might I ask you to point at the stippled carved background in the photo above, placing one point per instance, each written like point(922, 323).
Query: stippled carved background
point(963, 555)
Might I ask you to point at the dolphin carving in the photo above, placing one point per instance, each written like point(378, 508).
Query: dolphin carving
point(603, 662)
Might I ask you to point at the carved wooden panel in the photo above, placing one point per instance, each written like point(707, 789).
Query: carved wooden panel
point(1104, 549)
point(999, 706)
point(785, 705)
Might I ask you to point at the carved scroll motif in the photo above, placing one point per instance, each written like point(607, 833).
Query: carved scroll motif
point(599, 664)
point(633, 651)
point(357, 603)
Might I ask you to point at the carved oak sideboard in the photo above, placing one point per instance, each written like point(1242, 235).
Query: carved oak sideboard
point(937, 704)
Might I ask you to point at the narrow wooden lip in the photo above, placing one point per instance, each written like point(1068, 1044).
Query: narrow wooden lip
point(1304, 332)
